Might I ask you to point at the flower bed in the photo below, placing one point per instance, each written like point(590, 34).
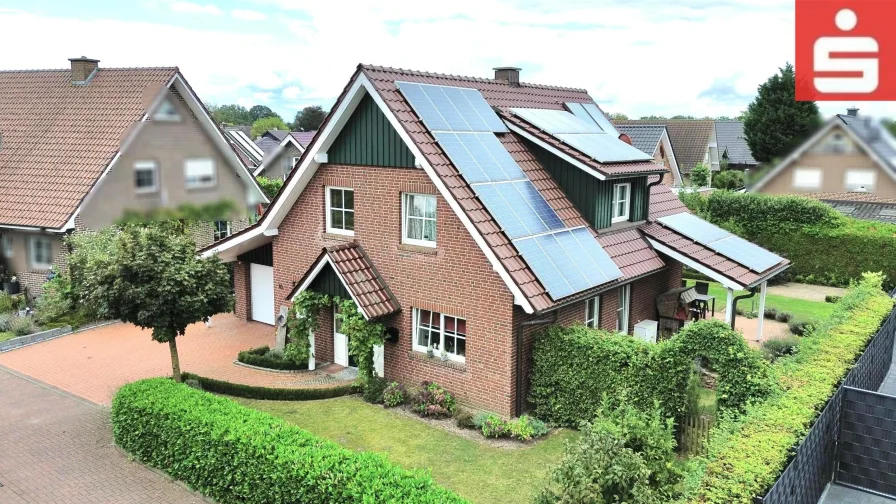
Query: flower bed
point(264, 357)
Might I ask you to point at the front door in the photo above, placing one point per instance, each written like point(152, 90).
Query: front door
point(340, 342)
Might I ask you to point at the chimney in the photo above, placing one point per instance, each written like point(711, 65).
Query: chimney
point(83, 69)
point(852, 112)
point(510, 74)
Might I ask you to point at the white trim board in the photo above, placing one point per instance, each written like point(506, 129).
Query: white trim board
point(711, 273)
point(667, 148)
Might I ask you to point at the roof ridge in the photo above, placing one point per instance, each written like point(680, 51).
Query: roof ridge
point(422, 73)
point(27, 70)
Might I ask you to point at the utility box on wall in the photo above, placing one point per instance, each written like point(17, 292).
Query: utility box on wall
point(646, 330)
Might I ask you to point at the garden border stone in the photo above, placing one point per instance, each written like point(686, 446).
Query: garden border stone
point(31, 339)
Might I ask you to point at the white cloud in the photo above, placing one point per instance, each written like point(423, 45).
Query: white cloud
point(248, 15)
point(193, 8)
point(291, 92)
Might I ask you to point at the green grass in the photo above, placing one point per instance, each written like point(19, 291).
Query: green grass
point(800, 308)
point(6, 336)
point(473, 470)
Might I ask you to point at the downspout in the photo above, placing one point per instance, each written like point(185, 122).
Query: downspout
point(519, 356)
point(649, 186)
point(738, 298)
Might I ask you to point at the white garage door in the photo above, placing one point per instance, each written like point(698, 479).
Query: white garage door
point(262, 278)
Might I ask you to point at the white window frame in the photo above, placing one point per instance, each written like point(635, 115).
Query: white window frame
point(292, 165)
point(199, 184)
point(329, 207)
point(860, 171)
point(170, 115)
point(32, 249)
point(805, 171)
point(437, 347)
point(592, 312)
point(6, 245)
point(628, 202)
point(405, 218)
point(216, 231)
point(151, 166)
point(624, 301)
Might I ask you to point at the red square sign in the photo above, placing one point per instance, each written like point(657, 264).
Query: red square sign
point(845, 50)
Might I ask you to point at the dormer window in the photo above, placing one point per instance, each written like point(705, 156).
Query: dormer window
point(166, 112)
point(621, 202)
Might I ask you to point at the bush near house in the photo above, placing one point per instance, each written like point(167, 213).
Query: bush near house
point(270, 186)
point(814, 236)
point(235, 454)
point(746, 454)
point(264, 357)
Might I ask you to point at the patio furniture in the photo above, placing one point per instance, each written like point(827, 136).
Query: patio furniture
point(702, 301)
point(701, 287)
point(674, 308)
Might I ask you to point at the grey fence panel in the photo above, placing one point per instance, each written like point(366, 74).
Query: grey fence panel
point(812, 467)
point(866, 454)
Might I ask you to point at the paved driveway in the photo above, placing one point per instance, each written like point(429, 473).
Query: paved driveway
point(55, 448)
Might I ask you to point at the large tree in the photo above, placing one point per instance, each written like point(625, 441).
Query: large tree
point(309, 118)
point(150, 275)
point(259, 111)
point(232, 114)
point(267, 124)
point(775, 121)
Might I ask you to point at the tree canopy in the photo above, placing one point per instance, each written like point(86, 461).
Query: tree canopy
point(309, 118)
point(617, 116)
point(775, 122)
point(267, 123)
point(230, 114)
point(259, 111)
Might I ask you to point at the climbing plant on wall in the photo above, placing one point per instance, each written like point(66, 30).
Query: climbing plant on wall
point(362, 335)
point(301, 321)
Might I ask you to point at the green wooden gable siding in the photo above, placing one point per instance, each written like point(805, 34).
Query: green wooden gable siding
point(369, 139)
point(327, 282)
point(593, 197)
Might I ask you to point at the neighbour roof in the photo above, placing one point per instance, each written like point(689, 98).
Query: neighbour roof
point(865, 210)
point(58, 138)
point(730, 138)
point(875, 135)
point(645, 137)
point(689, 138)
point(279, 135)
point(250, 154)
point(267, 144)
point(303, 137)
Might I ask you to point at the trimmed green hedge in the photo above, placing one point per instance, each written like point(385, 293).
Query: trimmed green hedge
point(234, 454)
point(746, 455)
point(261, 357)
point(269, 393)
point(574, 367)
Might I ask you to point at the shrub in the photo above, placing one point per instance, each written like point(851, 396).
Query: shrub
point(525, 428)
point(784, 317)
point(464, 420)
point(624, 456)
point(830, 298)
point(394, 395)
point(264, 357)
point(771, 313)
point(6, 321)
point(374, 388)
point(7, 303)
point(434, 400)
point(494, 426)
point(269, 185)
point(23, 326)
point(700, 175)
point(479, 419)
point(269, 393)
point(55, 302)
point(730, 179)
point(235, 454)
point(779, 347)
point(801, 327)
point(746, 454)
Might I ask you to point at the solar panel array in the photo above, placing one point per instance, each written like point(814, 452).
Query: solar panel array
point(445, 108)
point(564, 260)
point(591, 113)
point(557, 121)
point(731, 246)
point(568, 261)
point(604, 148)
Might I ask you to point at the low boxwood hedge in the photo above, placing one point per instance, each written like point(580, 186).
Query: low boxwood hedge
point(261, 357)
point(235, 454)
point(747, 454)
point(270, 393)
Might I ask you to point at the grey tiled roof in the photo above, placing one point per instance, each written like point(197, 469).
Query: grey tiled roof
point(689, 138)
point(865, 210)
point(645, 137)
point(873, 133)
point(730, 136)
point(267, 144)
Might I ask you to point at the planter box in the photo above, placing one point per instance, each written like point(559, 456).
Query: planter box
point(34, 338)
point(11, 287)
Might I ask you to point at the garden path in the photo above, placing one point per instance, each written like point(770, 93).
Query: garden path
point(806, 291)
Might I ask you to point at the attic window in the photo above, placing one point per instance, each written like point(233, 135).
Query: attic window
point(166, 112)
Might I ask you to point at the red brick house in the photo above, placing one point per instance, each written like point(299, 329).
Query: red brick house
point(386, 208)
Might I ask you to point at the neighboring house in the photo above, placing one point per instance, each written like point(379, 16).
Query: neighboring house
point(851, 158)
point(864, 206)
point(279, 162)
point(249, 153)
point(693, 141)
point(85, 144)
point(733, 145)
point(654, 140)
point(270, 140)
point(467, 213)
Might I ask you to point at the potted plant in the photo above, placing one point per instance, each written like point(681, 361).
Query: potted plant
point(444, 355)
point(429, 352)
point(10, 284)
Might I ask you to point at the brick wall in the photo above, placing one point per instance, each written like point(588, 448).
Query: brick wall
point(455, 278)
point(242, 299)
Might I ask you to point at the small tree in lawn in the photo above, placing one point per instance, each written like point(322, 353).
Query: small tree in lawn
point(153, 278)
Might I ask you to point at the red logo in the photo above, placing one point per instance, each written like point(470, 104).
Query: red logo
point(845, 50)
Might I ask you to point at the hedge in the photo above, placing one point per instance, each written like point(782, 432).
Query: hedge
point(747, 454)
point(814, 236)
point(269, 393)
point(234, 454)
point(575, 367)
point(259, 357)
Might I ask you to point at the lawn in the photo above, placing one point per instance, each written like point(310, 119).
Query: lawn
point(800, 308)
point(475, 471)
point(6, 336)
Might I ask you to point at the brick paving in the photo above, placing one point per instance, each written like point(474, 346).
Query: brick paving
point(55, 448)
point(93, 364)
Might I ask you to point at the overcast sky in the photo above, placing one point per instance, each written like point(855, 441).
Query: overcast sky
point(638, 57)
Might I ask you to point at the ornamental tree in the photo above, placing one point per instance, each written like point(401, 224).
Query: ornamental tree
point(150, 276)
point(260, 126)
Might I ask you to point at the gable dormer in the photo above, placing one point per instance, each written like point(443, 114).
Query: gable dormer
point(369, 139)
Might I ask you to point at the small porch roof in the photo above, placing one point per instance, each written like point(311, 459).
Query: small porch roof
point(358, 275)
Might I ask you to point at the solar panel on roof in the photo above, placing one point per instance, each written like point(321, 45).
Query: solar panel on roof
point(579, 111)
point(447, 108)
point(733, 247)
point(480, 157)
point(557, 121)
point(599, 117)
point(604, 148)
point(568, 261)
point(518, 208)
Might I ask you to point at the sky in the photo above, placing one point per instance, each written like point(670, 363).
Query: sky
point(637, 57)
